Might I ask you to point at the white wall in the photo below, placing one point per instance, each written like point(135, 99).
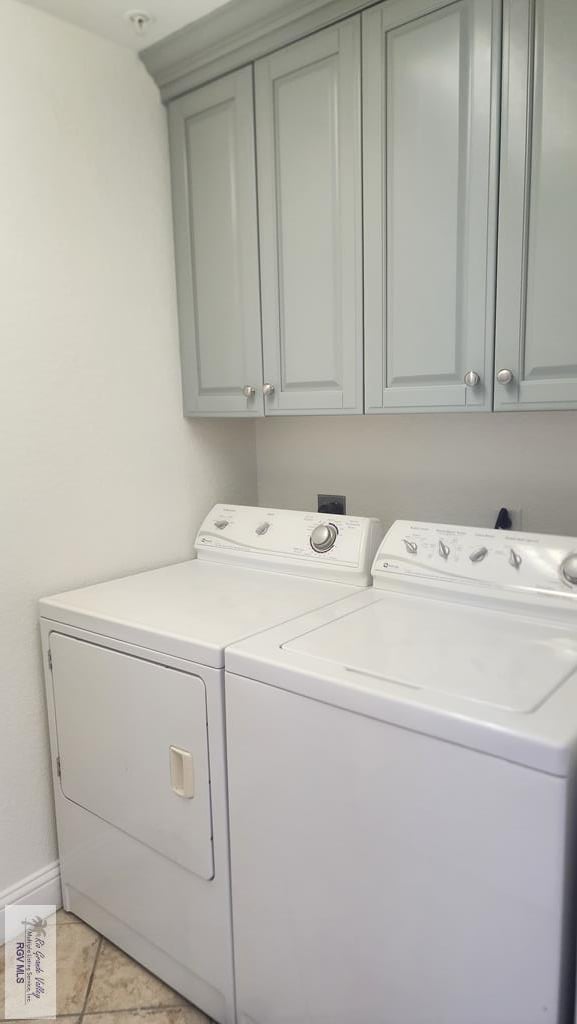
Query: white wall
point(99, 473)
point(445, 468)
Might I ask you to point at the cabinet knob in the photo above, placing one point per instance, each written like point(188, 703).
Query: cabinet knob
point(504, 376)
point(248, 391)
point(268, 390)
point(472, 379)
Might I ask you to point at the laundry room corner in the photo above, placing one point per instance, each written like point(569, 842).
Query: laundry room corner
point(288, 511)
point(100, 473)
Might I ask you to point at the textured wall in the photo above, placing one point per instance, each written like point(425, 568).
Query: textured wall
point(445, 468)
point(99, 473)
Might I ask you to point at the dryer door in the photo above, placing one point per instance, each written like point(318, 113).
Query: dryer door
point(133, 745)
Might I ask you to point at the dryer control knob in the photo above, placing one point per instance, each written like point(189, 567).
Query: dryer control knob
point(569, 570)
point(323, 537)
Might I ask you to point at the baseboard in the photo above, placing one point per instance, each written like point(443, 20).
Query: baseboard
point(41, 887)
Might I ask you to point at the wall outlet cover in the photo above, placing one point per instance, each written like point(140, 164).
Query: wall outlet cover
point(332, 504)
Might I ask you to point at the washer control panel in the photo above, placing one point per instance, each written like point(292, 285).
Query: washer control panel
point(304, 543)
point(468, 555)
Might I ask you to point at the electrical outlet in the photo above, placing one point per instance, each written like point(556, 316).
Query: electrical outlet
point(332, 504)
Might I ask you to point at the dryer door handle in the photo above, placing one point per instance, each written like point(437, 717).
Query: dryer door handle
point(181, 772)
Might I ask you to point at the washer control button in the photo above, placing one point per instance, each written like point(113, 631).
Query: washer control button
point(221, 524)
point(478, 555)
point(262, 529)
point(444, 549)
point(569, 570)
point(410, 546)
point(515, 559)
point(323, 537)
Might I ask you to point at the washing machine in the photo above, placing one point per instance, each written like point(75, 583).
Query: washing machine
point(134, 678)
point(402, 791)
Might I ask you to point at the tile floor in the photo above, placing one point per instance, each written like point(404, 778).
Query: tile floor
point(96, 983)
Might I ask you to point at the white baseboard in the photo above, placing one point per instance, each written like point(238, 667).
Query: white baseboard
point(41, 887)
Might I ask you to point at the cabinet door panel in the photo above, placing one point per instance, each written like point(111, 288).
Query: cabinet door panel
point(308, 139)
point(430, 179)
point(537, 296)
point(215, 217)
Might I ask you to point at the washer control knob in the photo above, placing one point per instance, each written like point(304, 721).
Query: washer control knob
point(505, 376)
point(472, 379)
point(262, 529)
point(569, 569)
point(410, 546)
point(478, 555)
point(221, 524)
point(323, 537)
point(444, 549)
point(515, 559)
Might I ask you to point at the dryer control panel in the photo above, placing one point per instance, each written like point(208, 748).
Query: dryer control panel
point(477, 557)
point(339, 548)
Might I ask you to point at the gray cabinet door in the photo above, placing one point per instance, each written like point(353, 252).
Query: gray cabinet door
point(537, 269)
point(430, 94)
point(215, 221)
point(309, 187)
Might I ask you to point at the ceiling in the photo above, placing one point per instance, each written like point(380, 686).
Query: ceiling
point(108, 17)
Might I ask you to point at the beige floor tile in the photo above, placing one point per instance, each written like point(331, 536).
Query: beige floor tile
point(44, 1020)
point(121, 984)
point(173, 1015)
point(63, 917)
point(76, 949)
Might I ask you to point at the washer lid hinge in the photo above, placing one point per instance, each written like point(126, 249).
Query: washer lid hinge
point(50, 659)
point(59, 767)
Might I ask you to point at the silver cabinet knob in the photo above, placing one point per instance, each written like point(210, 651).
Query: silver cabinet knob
point(410, 546)
point(515, 559)
point(323, 537)
point(472, 379)
point(569, 570)
point(268, 390)
point(444, 549)
point(504, 376)
point(248, 391)
point(478, 555)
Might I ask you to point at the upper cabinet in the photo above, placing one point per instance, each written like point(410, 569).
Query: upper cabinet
point(215, 223)
point(385, 227)
point(308, 131)
point(430, 76)
point(536, 345)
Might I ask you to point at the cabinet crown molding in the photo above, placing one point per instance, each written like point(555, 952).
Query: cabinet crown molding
point(235, 34)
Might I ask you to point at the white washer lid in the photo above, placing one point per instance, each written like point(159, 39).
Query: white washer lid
point(477, 654)
point(497, 677)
